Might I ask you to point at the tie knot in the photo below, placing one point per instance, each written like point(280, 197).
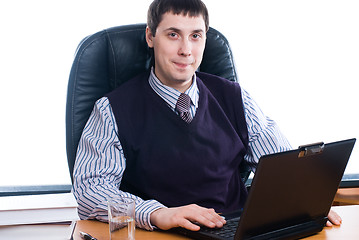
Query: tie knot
point(182, 106)
point(183, 103)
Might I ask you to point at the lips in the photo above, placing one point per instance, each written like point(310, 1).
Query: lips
point(182, 65)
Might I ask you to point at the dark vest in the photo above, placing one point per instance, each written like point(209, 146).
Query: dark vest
point(178, 163)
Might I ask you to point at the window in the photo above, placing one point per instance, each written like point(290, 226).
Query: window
point(298, 59)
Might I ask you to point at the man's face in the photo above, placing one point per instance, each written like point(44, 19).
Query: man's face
point(178, 47)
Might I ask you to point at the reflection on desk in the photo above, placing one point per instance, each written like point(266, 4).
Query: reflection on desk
point(348, 230)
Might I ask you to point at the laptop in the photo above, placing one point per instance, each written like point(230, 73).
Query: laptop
point(290, 196)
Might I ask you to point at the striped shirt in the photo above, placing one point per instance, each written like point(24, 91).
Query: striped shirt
point(170, 95)
point(100, 162)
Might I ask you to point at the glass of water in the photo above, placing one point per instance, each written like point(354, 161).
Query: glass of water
point(121, 218)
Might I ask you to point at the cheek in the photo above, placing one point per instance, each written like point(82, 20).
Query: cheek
point(163, 53)
point(198, 55)
point(198, 51)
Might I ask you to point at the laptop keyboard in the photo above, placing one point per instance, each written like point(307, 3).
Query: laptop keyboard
point(227, 231)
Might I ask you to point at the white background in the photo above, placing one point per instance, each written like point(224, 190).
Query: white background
point(298, 59)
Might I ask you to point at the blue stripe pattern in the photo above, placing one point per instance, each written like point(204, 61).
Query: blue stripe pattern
point(100, 162)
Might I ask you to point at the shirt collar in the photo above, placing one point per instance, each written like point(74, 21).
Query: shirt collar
point(170, 95)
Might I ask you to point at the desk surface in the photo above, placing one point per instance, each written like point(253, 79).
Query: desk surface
point(348, 230)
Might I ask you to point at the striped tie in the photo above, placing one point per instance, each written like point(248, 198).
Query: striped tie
point(182, 107)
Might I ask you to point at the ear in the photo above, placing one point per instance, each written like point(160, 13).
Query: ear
point(149, 37)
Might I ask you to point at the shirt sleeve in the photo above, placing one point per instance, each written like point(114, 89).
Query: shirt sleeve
point(264, 134)
point(99, 169)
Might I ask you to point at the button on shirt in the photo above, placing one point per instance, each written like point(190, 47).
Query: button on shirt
point(100, 161)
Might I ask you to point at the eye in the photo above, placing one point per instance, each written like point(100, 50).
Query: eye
point(196, 36)
point(173, 35)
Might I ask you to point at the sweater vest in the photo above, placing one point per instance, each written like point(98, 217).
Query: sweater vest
point(178, 163)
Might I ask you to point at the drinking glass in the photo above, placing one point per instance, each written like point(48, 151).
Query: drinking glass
point(121, 218)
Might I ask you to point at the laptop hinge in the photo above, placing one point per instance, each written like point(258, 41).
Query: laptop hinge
point(293, 232)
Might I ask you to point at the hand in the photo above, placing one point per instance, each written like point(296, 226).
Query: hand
point(185, 216)
point(334, 219)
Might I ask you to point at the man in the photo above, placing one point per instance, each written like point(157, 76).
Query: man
point(173, 138)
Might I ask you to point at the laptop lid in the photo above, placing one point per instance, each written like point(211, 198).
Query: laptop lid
point(292, 192)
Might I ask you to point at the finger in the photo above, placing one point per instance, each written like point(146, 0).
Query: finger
point(215, 218)
point(207, 217)
point(334, 218)
point(329, 224)
point(188, 225)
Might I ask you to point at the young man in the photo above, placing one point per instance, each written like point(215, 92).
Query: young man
point(176, 143)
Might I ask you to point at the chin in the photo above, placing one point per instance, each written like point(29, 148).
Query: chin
point(184, 78)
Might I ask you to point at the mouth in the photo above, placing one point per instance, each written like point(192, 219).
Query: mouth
point(182, 65)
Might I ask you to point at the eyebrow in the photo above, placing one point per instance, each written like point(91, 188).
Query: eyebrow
point(179, 30)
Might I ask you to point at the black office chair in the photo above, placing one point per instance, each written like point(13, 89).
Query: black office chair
point(109, 58)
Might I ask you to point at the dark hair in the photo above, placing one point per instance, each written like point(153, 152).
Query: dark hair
point(193, 8)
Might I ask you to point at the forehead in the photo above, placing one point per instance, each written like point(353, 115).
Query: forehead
point(181, 22)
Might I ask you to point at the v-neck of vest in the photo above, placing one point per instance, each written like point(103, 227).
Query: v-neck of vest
point(162, 103)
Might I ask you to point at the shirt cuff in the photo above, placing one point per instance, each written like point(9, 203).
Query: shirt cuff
point(143, 212)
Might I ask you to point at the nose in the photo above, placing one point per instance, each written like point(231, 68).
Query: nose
point(185, 48)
